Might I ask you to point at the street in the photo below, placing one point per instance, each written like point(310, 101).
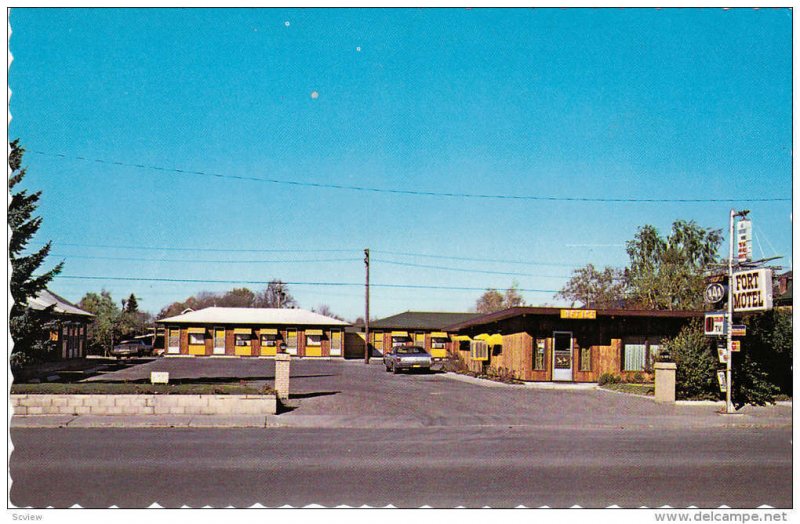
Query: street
point(472, 467)
point(355, 435)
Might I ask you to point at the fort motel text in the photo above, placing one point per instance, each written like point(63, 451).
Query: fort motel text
point(538, 344)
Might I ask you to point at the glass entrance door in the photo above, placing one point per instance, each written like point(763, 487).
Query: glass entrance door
point(562, 356)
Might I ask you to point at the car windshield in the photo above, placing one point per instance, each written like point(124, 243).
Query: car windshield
point(412, 350)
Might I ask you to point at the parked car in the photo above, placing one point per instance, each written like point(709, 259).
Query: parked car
point(407, 357)
point(130, 348)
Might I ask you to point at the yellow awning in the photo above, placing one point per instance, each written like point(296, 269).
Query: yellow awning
point(243, 331)
point(313, 332)
point(461, 338)
point(196, 330)
point(483, 336)
point(438, 334)
point(268, 331)
point(495, 340)
point(399, 333)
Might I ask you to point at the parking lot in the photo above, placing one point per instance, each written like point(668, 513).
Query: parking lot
point(350, 392)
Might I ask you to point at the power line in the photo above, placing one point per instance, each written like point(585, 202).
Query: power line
point(406, 191)
point(266, 282)
point(466, 270)
point(209, 249)
point(186, 260)
point(472, 259)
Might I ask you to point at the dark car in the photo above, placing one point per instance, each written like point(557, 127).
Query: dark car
point(132, 348)
point(407, 357)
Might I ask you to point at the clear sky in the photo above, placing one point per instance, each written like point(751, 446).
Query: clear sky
point(567, 103)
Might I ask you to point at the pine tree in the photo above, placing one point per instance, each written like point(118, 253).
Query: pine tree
point(27, 325)
point(131, 305)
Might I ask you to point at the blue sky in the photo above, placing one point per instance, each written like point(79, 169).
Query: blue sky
point(596, 103)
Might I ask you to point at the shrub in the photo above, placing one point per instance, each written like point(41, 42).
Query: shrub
point(609, 378)
point(691, 350)
point(638, 377)
point(769, 345)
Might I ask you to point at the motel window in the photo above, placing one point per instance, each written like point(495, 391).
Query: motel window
point(419, 339)
point(438, 343)
point(197, 339)
point(478, 350)
point(586, 359)
point(336, 340)
point(313, 340)
point(242, 339)
point(377, 340)
point(538, 356)
point(269, 340)
point(634, 356)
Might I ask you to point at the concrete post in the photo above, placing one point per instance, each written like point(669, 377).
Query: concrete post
point(665, 381)
point(282, 361)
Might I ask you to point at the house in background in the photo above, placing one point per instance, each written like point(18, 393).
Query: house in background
point(571, 345)
point(252, 332)
point(419, 328)
point(68, 324)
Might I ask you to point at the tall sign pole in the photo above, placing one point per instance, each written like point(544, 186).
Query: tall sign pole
point(728, 383)
point(366, 313)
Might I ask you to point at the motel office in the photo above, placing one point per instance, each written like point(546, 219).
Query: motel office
point(573, 345)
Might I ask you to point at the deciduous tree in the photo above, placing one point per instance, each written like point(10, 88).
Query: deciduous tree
point(591, 288)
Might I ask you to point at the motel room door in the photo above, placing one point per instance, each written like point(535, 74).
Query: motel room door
point(562, 356)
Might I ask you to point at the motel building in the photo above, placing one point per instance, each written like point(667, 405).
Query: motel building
point(569, 345)
point(417, 328)
point(252, 332)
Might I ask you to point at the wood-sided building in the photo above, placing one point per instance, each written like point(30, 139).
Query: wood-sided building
point(67, 324)
point(253, 332)
point(572, 345)
point(420, 328)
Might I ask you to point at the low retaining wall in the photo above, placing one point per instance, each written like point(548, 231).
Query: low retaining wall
point(144, 404)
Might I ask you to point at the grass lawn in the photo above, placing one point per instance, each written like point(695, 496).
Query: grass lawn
point(127, 388)
point(647, 390)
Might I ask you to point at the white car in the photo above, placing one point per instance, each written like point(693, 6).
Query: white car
point(407, 357)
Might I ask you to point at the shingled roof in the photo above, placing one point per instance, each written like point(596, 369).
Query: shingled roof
point(244, 315)
point(423, 320)
point(61, 305)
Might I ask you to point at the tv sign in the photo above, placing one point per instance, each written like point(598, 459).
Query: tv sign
point(715, 324)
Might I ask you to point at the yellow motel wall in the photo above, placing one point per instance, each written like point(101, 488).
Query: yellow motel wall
point(255, 349)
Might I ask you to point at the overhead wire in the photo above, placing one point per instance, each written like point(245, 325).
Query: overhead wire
point(414, 192)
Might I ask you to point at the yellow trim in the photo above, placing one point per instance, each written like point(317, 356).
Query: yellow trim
point(196, 330)
point(243, 351)
point(399, 333)
point(268, 331)
point(439, 334)
point(313, 351)
point(483, 336)
point(461, 338)
point(314, 332)
point(438, 353)
point(495, 340)
point(269, 351)
point(242, 331)
point(197, 349)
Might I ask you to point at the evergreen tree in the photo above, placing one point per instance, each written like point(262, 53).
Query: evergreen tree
point(27, 326)
point(132, 305)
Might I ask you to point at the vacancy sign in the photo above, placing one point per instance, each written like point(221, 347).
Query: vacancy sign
point(744, 236)
point(752, 290)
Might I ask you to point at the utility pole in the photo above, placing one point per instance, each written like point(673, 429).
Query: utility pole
point(728, 375)
point(366, 313)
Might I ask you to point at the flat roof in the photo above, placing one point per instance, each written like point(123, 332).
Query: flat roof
point(556, 311)
point(247, 315)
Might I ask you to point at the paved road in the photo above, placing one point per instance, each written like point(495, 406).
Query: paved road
point(333, 392)
point(441, 467)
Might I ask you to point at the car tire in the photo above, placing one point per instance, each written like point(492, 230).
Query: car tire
point(388, 369)
point(395, 369)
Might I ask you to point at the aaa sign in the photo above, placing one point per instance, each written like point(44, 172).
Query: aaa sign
point(752, 290)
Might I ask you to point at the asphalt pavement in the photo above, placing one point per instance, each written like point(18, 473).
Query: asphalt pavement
point(440, 467)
